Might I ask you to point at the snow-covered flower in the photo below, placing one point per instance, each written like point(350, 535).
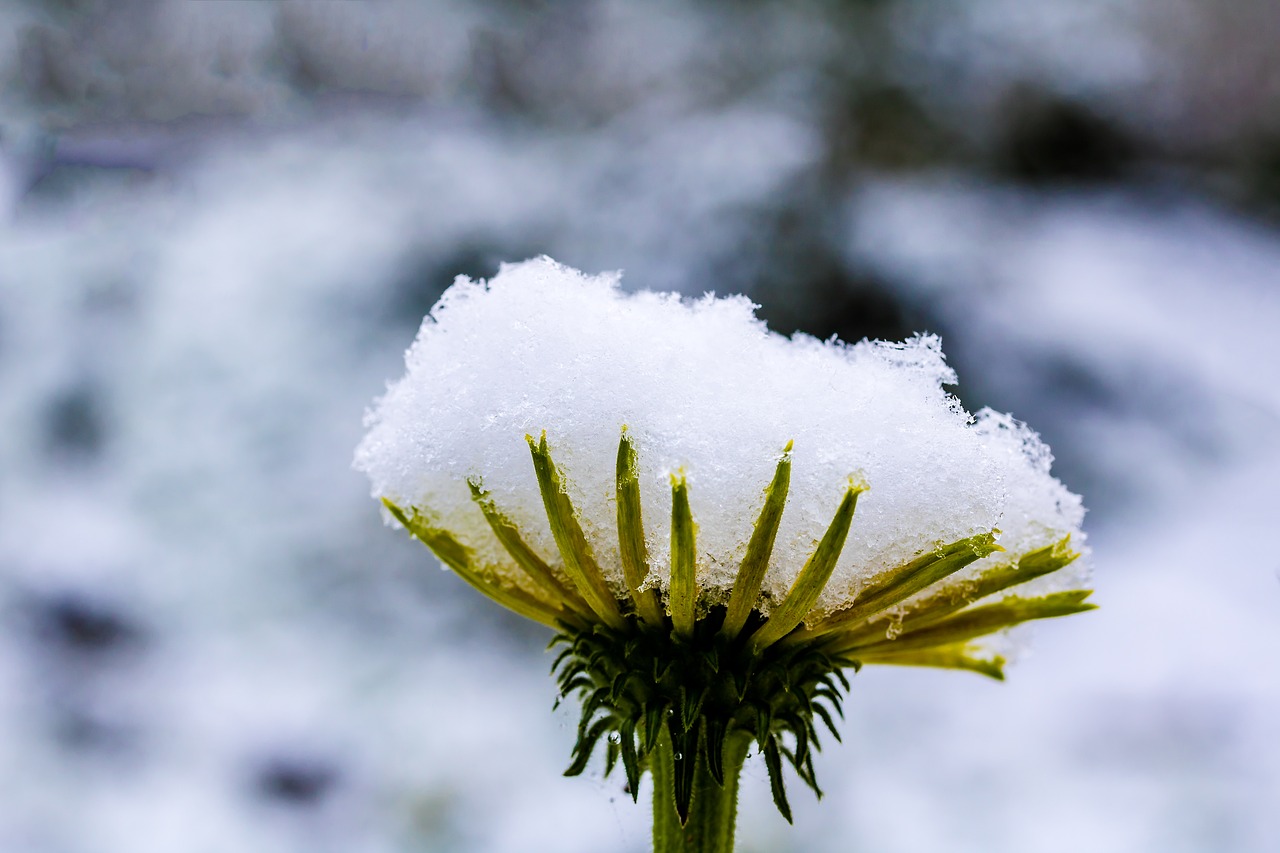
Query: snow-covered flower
point(672, 488)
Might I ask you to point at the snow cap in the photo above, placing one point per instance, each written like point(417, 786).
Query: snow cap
point(708, 392)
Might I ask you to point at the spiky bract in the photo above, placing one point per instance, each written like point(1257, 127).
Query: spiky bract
point(703, 689)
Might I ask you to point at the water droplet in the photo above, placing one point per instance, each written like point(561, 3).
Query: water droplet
point(614, 737)
point(678, 756)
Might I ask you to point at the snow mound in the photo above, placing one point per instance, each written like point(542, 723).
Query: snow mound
point(707, 390)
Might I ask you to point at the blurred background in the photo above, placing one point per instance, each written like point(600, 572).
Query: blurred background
point(221, 223)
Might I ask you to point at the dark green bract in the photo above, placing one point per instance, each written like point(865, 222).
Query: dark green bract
point(702, 691)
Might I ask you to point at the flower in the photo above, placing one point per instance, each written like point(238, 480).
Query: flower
point(716, 520)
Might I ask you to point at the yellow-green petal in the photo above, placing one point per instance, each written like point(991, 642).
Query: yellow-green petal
point(977, 622)
point(813, 577)
point(579, 563)
point(950, 597)
point(683, 593)
point(534, 566)
point(755, 562)
point(459, 558)
point(957, 656)
point(631, 545)
point(899, 584)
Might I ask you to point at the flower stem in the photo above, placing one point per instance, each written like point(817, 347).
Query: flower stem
point(713, 809)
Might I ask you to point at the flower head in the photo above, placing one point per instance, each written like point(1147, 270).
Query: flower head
point(716, 519)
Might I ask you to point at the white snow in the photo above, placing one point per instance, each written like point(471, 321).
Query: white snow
point(707, 390)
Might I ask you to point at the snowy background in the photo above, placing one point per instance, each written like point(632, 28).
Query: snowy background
point(220, 224)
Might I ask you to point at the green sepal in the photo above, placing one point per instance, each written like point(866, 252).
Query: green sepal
point(804, 769)
point(631, 544)
point(714, 750)
point(806, 772)
point(978, 622)
point(594, 702)
point(691, 706)
point(683, 594)
point(661, 668)
point(742, 680)
point(711, 660)
point(773, 761)
point(460, 559)
point(653, 717)
point(832, 697)
point(812, 578)
point(630, 761)
point(801, 731)
point(576, 682)
point(572, 670)
point(764, 724)
point(825, 716)
point(564, 655)
point(685, 760)
point(755, 562)
point(586, 745)
point(619, 685)
point(579, 563)
point(611, 753)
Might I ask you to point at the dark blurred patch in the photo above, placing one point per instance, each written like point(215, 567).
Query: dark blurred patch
point(887, 129)
point(78, 624)
point(82, 650)
point(1047, 139)
point(76, 729)
point(111, 297)
point(305, 69)
point(74, 423)
point(827, 299)
point(50, 70)
point(82, 6)
point(313, 65)
point(1073, 385)
point(296, 781)
point(797, 275)
point(537, 67)
point(1257, 177)
point(63, 182)
point(424, 276)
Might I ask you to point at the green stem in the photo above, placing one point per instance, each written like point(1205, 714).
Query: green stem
point(713, 810)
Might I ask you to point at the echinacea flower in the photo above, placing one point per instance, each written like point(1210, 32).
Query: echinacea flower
point(715, 520)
